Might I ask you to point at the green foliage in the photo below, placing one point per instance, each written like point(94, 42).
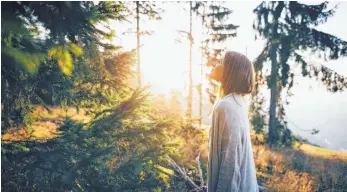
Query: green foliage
point(52, 56)
point(122, 148)
point(46, 48)
point(258, 115)
point(62, 54)
point(28, 61)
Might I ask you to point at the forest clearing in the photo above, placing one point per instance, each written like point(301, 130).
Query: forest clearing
point(118, 96)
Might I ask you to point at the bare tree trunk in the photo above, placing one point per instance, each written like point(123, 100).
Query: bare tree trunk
point(201, 97)
point(201, 69)
point(273, 86)
point(190, 36)
point(138, 42)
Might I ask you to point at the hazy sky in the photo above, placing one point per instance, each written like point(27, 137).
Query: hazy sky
point(165, 66)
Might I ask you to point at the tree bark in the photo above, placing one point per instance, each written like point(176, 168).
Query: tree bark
point(138, 42)
point(190, 36)
point(273, 87)
point(201, 70)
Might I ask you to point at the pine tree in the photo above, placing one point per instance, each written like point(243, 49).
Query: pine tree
point(143, 9)
point(190, 75)
point(289, 28)
point(213, 16)
point(42, 44)
point(138, 42)
point(215, 30)
point(124, 134)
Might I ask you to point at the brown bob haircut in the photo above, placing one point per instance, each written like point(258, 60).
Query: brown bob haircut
point(238, 74)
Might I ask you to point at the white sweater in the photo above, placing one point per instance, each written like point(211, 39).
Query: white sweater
point(231, 165)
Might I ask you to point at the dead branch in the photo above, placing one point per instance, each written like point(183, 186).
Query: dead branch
point(182, 173)
point(200, 170)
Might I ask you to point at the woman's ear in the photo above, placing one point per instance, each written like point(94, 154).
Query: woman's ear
point(217, 73)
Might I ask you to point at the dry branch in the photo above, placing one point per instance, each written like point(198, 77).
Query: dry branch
point(182, 173)
point(200, 170)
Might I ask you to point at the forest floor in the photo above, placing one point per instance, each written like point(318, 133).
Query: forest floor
point(45, 124)
point(303, 167)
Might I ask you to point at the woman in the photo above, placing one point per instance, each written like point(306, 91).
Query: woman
point(231, 165)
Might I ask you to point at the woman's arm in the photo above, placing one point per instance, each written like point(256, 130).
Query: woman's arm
point(229, 175)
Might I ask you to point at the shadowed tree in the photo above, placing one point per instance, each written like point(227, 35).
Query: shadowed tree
point(45, 47)
point(289, 28)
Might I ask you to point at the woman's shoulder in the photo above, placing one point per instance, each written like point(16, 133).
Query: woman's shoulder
point(226, 104)
point(222, 105)
point(229, 103)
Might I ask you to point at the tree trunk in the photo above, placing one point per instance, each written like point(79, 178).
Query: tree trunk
point(273, 136)
point(138, 42)
point(201, 97)
point(190, 93)
point(201, 69)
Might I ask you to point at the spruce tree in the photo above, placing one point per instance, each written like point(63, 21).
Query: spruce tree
point(288, 28)
point(42, 44)
point(216, 30)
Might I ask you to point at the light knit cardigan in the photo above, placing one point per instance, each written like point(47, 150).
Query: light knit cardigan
point(231, 165)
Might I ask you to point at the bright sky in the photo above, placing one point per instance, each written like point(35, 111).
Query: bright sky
point(164, 65)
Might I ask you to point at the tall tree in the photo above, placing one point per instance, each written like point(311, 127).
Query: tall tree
point(200, 87)
point(190, 37)
point(150, 10)
point(138, 42)
point(215, 30)
point(289, 28)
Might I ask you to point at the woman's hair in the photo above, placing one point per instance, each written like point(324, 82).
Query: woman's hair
point(238, 74)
